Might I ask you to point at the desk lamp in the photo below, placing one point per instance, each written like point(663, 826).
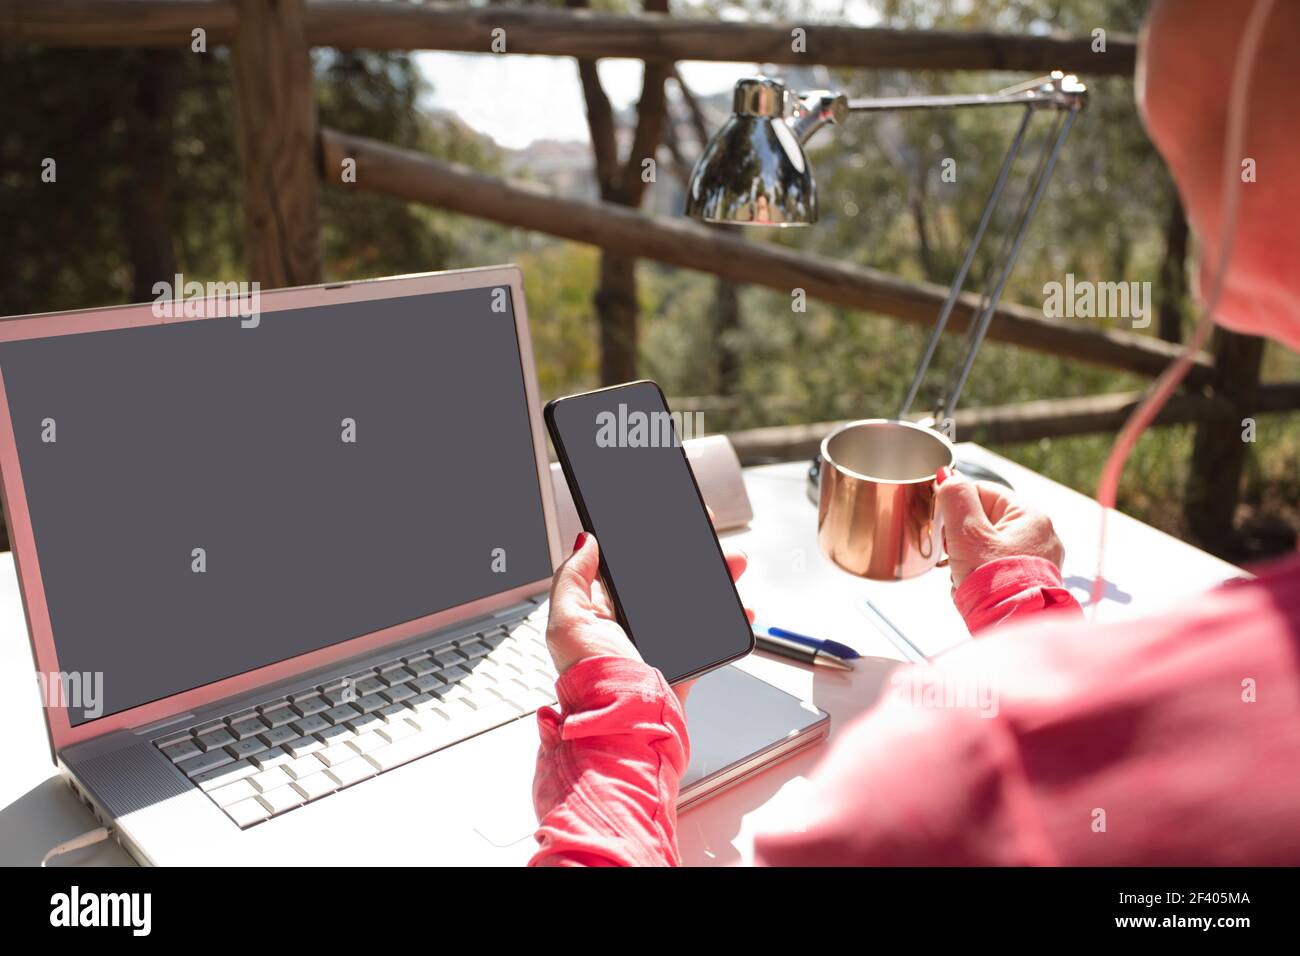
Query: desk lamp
point(754, 172)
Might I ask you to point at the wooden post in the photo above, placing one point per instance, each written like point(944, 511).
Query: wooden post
point(275, 109)
point(1220, 451)
point(148, 108)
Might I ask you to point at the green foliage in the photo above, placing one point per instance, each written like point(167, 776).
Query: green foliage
point(67, 237)
point(62, 243)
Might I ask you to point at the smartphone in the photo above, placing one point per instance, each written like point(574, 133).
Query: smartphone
point(660, 561)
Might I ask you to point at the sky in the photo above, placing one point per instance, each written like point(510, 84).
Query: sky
point(519, 99)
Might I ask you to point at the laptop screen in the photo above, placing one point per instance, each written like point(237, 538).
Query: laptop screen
point(208, 498)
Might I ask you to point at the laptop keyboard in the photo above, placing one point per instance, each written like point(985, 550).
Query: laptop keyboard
point(263, 761)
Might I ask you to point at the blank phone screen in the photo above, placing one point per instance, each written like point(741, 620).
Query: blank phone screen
point(661, 561)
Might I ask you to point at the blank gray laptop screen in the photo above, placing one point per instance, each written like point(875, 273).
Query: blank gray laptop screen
point(217, 497)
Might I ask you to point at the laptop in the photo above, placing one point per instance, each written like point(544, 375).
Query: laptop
point(284, 570)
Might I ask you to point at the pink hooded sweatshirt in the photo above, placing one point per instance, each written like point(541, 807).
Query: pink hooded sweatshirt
point(1172, 740)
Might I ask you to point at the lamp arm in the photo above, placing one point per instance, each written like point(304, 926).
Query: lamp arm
point(811, 111)
point(927, 102)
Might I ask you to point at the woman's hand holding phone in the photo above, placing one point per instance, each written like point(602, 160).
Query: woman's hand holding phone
point(582, 622)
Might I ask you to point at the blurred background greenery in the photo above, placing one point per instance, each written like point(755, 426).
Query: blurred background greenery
point(127, 124)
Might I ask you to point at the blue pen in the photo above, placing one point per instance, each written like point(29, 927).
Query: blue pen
point(842, 651)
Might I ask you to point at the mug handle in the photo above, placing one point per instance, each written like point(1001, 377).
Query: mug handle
point(940, 476)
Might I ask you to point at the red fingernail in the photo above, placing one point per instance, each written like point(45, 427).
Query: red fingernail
point(580, 540)
point(942, 475)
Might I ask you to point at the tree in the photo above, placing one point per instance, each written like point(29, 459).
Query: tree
point(623, 181)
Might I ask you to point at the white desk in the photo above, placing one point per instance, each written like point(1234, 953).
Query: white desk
point(789, 584)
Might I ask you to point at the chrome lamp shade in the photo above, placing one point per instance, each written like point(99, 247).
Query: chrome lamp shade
point(754, 171)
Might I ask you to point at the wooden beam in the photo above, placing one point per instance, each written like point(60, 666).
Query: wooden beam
point(116, 23)
point(275, 109)
point(1030, 421)
point(680, 242)
point(1220, 451)
point(355, 24)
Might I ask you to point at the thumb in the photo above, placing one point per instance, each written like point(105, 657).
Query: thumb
point(959, 501)
point(571, 588)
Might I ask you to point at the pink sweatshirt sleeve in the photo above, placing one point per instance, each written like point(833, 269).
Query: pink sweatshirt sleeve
point(1010, 588)
point(605, 789)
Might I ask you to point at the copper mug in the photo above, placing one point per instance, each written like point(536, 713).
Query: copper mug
point(877, 514)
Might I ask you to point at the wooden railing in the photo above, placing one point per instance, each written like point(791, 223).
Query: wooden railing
point(284, 160)
point(357, 24)
point(384, 169)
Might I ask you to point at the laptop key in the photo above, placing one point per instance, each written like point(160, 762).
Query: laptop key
point(275, 757)
point(513, 688)
point(364, 743)
point(307, 704)
point(421, 665)
point(278, 736)
point(247, 728)
point(397, 730)
point(337, 734)
point(309, 725)
point(533, 700)
point(340, 695)
point(304, 767)
point(478, 682)
point(421, 702)
point(208, 727)
point(245, 748)
point(369, 685)
point(364, 723)
point(453, 692)
point(448, 657)
point(279, 716)
point(233, 792)
point(216, 739)
point(393, 712)
point(370, 702)
point(208, 761)
point(315, 786)
point(397, 693)
point(221, 776)
point(473, 649)
point(337, 715)
point(337, 754)
point(303, 746)
point(429, 684)
point(453, 674)
point(271, 779)
point(282, 799)
point(181, 750)
point(354, 771)
point(175, 738)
